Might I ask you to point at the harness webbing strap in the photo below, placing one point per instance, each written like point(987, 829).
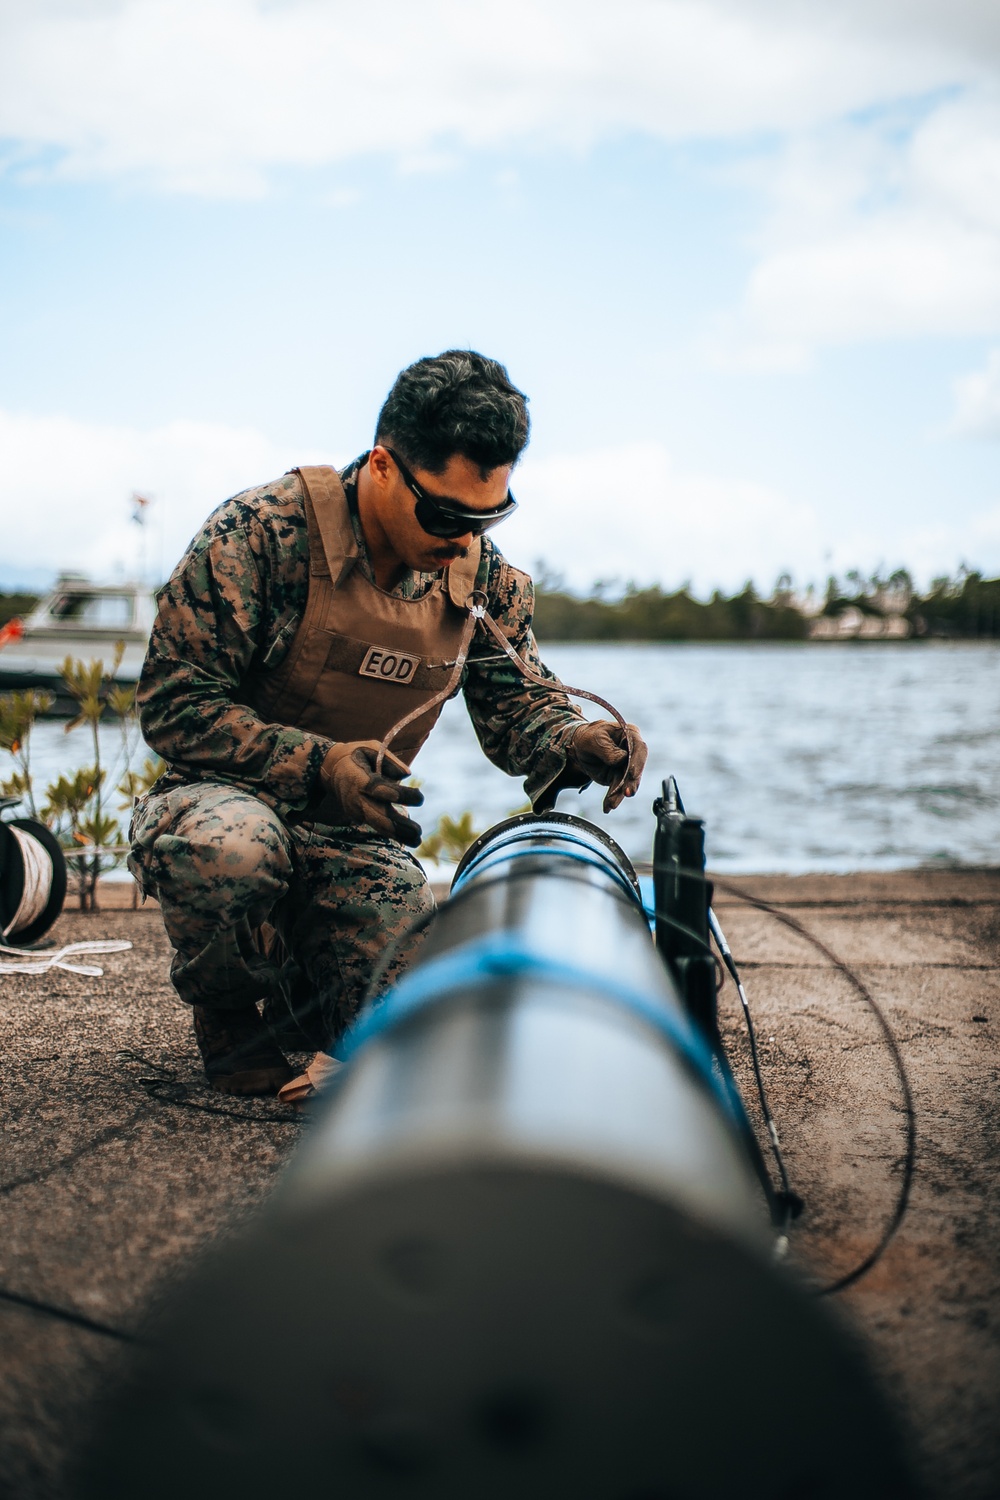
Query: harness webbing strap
point(526, 671)
point(478, 616)
point(476, 611)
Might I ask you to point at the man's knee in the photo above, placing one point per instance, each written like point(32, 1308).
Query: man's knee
point(212, 849)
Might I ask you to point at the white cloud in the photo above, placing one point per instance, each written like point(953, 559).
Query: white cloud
point(70, 484)
point(212, 95)
point(626, 513)
point(629, 513)
point(977, 401)
point(876, 229)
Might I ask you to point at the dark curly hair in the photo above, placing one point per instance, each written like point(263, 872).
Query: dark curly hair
point(456, 402)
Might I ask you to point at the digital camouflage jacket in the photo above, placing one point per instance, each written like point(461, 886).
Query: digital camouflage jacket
point(234, 603)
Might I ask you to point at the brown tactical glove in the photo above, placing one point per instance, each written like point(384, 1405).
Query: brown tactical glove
point(361, 794)
point(600, 751)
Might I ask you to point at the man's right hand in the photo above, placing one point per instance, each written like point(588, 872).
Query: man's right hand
point(366, 796)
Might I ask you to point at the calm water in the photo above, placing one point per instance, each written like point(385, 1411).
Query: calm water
point(833, 757)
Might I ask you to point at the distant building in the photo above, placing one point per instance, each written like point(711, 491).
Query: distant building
point(853, 624)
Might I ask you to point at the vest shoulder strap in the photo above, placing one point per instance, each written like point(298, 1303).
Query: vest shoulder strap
point(333, 547)
point(462, 575)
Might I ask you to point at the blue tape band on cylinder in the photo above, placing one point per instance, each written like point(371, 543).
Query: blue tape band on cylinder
point(481, 865)
point(486, 959)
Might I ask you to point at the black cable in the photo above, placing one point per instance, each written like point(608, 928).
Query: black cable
point(772, 1129)
point(679, 926)
point(67, 1315)
point(156, 1089)
point(910, 1152)
point(786, 1200)
point(791, 1200)
point(786, 1204)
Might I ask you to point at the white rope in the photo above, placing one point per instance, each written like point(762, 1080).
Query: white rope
point(40, 964)
point(37, 887)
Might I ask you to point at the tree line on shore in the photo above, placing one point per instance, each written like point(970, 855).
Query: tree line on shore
point(966, 607)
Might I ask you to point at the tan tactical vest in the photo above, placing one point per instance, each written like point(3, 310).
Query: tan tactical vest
point(362, 658)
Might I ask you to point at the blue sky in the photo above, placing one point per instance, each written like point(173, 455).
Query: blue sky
point(744, 258)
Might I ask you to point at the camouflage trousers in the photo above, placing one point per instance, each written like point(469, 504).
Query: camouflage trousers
point(231, 878)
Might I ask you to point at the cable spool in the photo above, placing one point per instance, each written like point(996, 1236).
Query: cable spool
point(32, 881)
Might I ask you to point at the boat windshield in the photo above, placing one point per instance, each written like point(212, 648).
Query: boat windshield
point(99, 611)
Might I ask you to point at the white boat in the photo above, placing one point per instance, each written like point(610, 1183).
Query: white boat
point(83, 620)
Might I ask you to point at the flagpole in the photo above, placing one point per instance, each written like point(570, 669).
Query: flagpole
point(140, 504)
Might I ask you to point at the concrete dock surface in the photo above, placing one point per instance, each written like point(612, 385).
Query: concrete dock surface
point(119, 1165)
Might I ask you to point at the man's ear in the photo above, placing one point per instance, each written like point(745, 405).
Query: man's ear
point(380, 466)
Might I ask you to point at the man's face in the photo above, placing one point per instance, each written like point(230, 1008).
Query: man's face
point(395, 506)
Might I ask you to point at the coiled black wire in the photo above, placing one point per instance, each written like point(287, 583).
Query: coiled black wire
point(895, 1219)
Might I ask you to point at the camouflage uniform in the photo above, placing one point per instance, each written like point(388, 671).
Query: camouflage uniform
point(224, 839)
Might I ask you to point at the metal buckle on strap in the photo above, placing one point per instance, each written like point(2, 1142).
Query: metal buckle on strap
point(476, 604)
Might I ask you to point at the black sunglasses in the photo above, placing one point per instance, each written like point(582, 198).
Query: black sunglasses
point(439, 516)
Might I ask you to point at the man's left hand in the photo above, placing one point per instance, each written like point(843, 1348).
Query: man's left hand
point(600, 750)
